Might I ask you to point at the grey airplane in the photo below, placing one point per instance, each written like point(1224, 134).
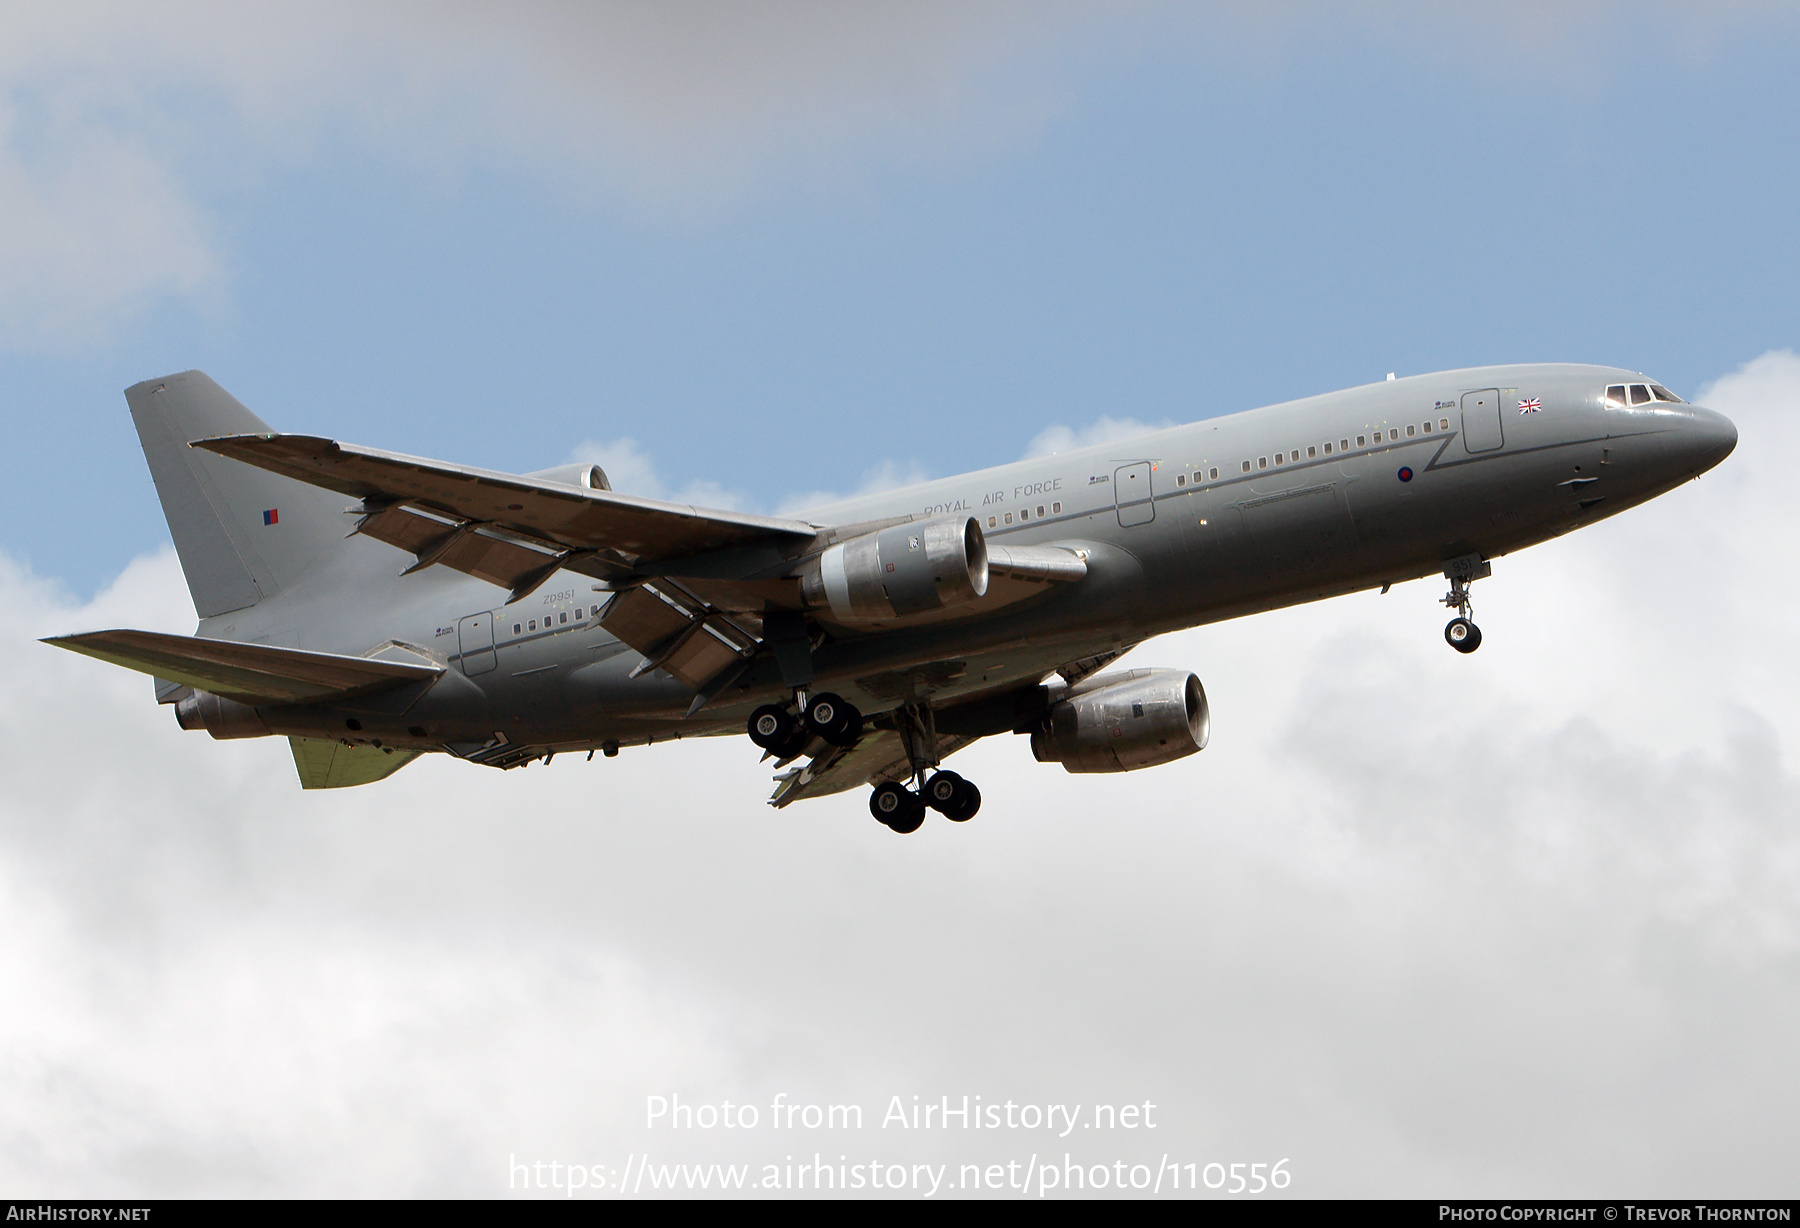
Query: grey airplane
point(372, 607)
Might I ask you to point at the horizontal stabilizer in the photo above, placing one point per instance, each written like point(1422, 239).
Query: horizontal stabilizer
point(509, 530)
point(325, 764)
point(248, 673)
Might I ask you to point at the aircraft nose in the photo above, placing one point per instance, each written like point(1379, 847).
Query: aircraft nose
point(1707, 438)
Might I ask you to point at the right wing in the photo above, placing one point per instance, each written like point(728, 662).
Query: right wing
point(879, 755)
point(248, 673)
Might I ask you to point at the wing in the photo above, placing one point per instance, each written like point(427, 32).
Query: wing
point(878, 756)
point(517, 531)
point(248, 673)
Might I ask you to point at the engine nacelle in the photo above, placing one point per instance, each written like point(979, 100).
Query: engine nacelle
point(1122, 722)
point(898, 572)
point(223, 718)
point(589, 477)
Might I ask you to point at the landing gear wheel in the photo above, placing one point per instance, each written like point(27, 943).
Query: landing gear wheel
point(1462, 635)
point(834, 719)
point(797, 741)
point(896, 806)
point(942, 790)
point(773, 726)
point(968, 801)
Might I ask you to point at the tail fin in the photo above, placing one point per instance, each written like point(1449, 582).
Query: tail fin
point(243, 534)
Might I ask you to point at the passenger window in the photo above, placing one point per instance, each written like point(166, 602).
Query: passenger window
point(1040, 511)
point(1393, 432)
point(517, 628)
point(1640, 395)
point(1009, 518)
point(596, 611)
point(580, 614)
point(1246, 466)
point(563, 617)
point(1663, 394)
point(1328, 449)
point(1262, 462)
point(1057, 508)
point(1428, 428)
point(534, 624)
point(1024, 513)
point(1409, 430)
point(1343, 445)
point(992, 522)
point(1311, 452)
point(1213, 474)
point(1181, 479)
point(1360, 441)
point(1443, 424)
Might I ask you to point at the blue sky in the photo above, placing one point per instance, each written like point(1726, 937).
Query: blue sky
point(1159, 216)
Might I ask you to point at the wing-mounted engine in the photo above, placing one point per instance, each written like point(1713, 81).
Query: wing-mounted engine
point(900, 571)
point(1122, 722)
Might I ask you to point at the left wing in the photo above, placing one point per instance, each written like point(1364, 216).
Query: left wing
point(248, 673)
point(517, 531)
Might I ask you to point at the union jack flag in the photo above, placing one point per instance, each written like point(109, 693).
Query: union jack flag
point(1531, 406)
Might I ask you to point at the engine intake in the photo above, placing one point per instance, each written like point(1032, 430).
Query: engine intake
point(1122, 722)
point(901, 571)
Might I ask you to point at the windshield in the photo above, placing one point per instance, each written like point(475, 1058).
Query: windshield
point(1618, 396)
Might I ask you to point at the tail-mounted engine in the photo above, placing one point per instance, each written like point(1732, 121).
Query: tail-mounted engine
point(901, 571)
point(1122, 722)
point(223, 718)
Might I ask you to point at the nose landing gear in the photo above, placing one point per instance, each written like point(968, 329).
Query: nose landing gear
point(1461, 633)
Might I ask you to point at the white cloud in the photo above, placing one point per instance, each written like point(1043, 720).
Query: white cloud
point(1054, 439)
point(888, 475)
point(1422, 923)
point(630, 471)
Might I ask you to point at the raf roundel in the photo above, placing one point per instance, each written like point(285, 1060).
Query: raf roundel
point(1406, 473)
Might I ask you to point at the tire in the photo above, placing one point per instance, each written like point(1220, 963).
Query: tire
point(797, 742)
point(833, 718)
point(967, 803)
point(913, 820)
point(943, 791)
point(772, 726)
point(895, 806)
point(1462, 635)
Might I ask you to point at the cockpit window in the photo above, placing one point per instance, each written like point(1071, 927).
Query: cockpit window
point(1618, 396)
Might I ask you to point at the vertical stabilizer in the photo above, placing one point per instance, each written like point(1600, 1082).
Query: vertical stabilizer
point(242, 533)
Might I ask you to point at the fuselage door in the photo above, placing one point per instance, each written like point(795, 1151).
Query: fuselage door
point(475, 639)
point(1481, 420)
point(1131, 491)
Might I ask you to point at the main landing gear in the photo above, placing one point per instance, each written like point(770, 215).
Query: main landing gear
point(784, 731)
point(903, 809)
point(1461, 633)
